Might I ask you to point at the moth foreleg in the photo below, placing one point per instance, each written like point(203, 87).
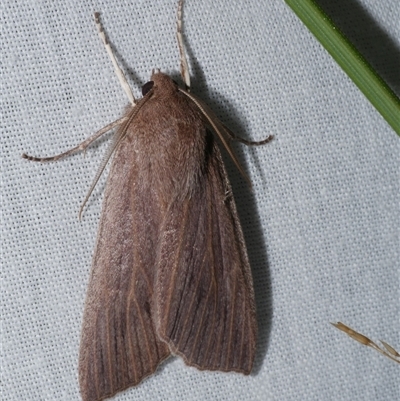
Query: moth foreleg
point(82, 146)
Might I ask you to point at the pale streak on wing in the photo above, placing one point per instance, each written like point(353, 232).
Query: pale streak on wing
point(174, 270)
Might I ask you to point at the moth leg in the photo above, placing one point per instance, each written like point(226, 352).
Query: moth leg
point(118, 71)
point(228, 194)
point(233, 137)
point(184, 64)
point(81, 146)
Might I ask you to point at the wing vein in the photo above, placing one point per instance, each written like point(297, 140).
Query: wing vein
point(213, 278)
point(251, 341)
point(109, 349)
point(131, 296)
point(188, 313)
point(201, 321)
point(175, 267)
point(144, 332)
point(230, 329)
point(243, 326)
point(97, 384)
point(128, 330)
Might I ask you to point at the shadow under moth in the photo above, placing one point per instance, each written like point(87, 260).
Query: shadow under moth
point(170, 273)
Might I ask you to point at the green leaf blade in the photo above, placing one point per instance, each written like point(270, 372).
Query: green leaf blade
point(350, 60)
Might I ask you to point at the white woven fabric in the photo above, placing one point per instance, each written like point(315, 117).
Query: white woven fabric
point(321, 224)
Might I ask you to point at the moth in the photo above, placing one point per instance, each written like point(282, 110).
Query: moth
point(170, 273)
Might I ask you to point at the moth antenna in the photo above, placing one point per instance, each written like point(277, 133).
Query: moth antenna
point(233, 137)
point(113, 145)
point(183, 61)
point(81, 146)
point(118, 71)
point(215, 123)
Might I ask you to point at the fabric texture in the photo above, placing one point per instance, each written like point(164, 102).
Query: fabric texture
point(321, 221)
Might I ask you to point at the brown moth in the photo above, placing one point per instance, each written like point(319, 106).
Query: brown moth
point(170, 273)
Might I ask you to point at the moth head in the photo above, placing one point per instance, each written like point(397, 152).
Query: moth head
point(160, 83)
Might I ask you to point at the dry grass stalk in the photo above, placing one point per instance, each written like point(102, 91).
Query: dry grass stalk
point(386, 350)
